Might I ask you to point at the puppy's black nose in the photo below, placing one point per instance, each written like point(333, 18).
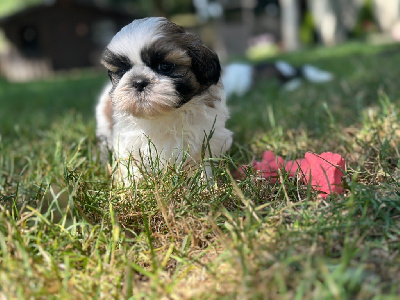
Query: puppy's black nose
point(140, 84)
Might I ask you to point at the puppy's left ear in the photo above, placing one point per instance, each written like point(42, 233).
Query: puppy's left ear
point(205, 63)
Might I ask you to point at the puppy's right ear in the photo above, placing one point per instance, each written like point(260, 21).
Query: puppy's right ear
point(205, 63)
point(107, 58)
point(115, 62)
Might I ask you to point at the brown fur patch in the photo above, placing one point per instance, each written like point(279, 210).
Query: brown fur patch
point(180, 57)
point(108, 112)
point(210, 96)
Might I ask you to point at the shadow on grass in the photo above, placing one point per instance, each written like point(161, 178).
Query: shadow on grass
point(37, 104)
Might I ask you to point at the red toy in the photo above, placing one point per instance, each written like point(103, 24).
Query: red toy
point(324, 170)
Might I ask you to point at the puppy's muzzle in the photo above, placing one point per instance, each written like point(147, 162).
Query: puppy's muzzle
point(140, 84)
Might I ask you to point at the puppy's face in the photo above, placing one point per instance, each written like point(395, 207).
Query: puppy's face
point(156, 67)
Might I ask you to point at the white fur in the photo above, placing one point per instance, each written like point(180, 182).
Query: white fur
point(182, 130)
point(103, 128)
point(136, 36)
point(167, 135)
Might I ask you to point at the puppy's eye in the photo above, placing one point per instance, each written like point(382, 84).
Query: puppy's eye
point(166, 68)
point(120, 72)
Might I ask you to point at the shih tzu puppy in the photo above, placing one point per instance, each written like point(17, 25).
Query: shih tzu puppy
point(165, 98)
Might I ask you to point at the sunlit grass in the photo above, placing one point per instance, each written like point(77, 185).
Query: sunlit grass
point(10, 6)
point(68, 231)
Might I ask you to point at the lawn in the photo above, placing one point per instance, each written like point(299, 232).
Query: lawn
point(67, 231)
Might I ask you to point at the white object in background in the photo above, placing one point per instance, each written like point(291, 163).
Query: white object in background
point(316, 75)
point(285, 68)
point(292, 85)
point(237, 79)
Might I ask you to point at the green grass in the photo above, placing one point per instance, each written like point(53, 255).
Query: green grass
point(67, 231)
point(10, 6)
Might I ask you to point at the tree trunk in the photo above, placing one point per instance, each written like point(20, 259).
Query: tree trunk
point(326, 21)
point(386, 13)
point(334, 18)
point(290, 23)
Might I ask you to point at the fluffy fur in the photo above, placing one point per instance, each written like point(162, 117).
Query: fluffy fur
point(165, 97)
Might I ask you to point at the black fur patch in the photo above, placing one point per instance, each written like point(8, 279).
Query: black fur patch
point(185, 84)
point(190, 79)
point(121, 63)
point(116, 60)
